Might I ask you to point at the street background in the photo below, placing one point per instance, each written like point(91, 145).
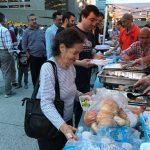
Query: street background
point(12, 135)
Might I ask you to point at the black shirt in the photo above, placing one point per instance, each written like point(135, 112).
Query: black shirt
point(83, 75)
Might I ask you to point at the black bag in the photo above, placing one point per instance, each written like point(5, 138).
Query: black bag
point(36, 124)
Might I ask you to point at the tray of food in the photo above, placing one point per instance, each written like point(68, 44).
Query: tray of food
point(121, 77)
point(85, 101)
point(137, 101)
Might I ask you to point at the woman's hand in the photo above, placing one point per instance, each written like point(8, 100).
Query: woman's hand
point(68, 131)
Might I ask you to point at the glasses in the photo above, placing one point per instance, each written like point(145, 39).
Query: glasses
point(33, 19)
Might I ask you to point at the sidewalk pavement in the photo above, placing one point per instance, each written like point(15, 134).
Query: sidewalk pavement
point(12, 135)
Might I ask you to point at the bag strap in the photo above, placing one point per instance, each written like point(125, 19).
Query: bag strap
point(57, 89)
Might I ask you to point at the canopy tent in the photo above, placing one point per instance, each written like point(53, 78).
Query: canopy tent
point(138, 8)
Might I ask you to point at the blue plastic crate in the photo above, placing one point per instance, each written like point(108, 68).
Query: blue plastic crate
point(145, 128)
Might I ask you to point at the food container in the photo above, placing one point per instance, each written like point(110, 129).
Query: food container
point(85, 101)
point(145, 146)
point(123, 77)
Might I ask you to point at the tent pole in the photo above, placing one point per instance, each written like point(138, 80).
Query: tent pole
point(105, 23)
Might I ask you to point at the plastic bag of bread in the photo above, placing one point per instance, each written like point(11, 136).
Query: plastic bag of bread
point(109, 109)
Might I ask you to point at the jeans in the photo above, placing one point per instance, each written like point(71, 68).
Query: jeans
point(23, 71)
point(5, 63)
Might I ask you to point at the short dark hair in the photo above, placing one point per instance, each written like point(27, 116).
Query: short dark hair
point(68, 37)
point(88, 9)
point(30, 16)
point(67, 15)
point(119, 22)
point(2, 17)
point(55, 14)
point(101, 14)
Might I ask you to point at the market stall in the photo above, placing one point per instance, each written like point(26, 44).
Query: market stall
point(138, 8)
point(117, 124)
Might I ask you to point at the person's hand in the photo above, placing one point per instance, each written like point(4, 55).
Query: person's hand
point(88, 93)
point(138, 62)
point(68, 131)
point(86, 63)
point(99, 56)
point(125, 58)
point(90, 117)
point(147, 90)
point(142, 82)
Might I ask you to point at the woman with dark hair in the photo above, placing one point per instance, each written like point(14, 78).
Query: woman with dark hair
point(67, 46)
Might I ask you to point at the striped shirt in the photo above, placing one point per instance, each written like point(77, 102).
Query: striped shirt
point(135, 51)
point(68, 92)
point(5, 38)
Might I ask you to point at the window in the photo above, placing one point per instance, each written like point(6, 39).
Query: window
point(24, 6)
point(56, 4)
point(12, 0)
point(3, 6)
point(3, 0)
point(13, 6)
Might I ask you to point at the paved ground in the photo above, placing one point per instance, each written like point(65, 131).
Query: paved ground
point(12, 135)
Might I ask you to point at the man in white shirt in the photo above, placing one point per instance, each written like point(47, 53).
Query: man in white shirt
point(51, 32)
point(5, 57)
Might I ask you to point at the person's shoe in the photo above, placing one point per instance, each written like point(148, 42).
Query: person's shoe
point(10, 94)
point(15, 84)
point(26, 86)
point(19, 86)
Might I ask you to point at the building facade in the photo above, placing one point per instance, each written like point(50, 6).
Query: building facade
point(18, 10)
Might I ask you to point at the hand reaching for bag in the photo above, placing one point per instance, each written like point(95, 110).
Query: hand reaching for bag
point(68, 131)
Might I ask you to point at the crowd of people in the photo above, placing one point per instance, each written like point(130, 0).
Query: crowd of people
point(71, 47)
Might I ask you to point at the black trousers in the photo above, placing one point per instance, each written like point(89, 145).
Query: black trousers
point(56, 143)
point(35, 66)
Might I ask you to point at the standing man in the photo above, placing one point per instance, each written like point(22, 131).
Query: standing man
point(88, 21)
point(68, 20)
point(5, 57)
point(51, 32)
point(33, 43)
point(139, 48)
point(130, 33)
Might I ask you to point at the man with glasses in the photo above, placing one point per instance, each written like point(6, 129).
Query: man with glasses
point(139, 48)
point(129, 34)
point(51, 32)
point(33, 43)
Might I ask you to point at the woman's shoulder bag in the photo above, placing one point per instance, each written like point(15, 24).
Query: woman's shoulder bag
point(36, 124)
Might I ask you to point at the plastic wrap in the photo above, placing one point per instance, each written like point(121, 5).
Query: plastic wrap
point(112, 110)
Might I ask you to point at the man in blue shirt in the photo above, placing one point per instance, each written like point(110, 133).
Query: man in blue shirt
point(51, 32)
point(33, 43)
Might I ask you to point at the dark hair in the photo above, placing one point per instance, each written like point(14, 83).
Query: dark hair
point(101, 14)
point(2, 17)
point(119, 22)
point(30, 16)
point(55, 14)
point(68, 37)
point(67, 15)
point(88, 9)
